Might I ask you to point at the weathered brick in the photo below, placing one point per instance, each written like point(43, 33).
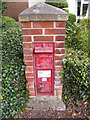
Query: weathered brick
point(32, 31)
point(60, 24)
point(27, 39)
point(43, 24)
point(60, 45)
point(29, 74)
point(30, 84)
point(26, 24)
point(59, 89)
point(54, 31)
point(32, 93)
point(28, 57)
point(30, 79)
point(27, 45)
point(29, 51)
point(28, 63)
point(43, 38)
point(58, 93)
point(59, 51)
point(58, 63)
point(58, 79)
point(59, 57)
point(58, 68)
point(29, 68)
point(31, 89)
point(60, 38)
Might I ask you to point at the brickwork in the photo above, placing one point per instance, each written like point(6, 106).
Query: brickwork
point(14, 8)
point(43, 32)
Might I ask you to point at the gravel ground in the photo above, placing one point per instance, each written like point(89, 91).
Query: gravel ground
point(71, 112)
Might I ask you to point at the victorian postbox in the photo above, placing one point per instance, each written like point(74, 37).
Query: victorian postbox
point(44, 68)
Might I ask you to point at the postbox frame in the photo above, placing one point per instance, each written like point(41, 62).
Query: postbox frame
point(53, 69)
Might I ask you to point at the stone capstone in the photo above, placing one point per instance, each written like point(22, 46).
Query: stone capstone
point(43, 12)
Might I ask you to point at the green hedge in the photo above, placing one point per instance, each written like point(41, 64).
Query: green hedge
point(72, 18)
point(58, 4)
point(14, 91)
point(75, 75)
point(66, 10)
point(77, 36)
point(3, 7)
point(87, 21)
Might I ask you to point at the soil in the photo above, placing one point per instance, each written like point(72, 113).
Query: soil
point(80, 111)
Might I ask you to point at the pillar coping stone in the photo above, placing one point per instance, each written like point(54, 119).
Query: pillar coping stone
point(43, 12)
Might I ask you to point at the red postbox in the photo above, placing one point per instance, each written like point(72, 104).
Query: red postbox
point(44, 68)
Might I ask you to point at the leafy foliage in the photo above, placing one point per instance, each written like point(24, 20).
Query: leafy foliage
point(72, 18)
point(76, 74)
point(66, 10)
point(13, 69)
point(77, 36)
point(58, 4)
point(3, 7)
point(76, 63)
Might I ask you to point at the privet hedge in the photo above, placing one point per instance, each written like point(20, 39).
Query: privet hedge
point(3, 7)
point(14, 91)
point(58, 4)
point(72, 18)
point(77, 36)
point(75, 75)
point(66, 10)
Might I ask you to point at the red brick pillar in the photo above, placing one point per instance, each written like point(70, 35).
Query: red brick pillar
point(38, 25)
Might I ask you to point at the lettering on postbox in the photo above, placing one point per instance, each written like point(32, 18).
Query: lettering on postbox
point(44, 68)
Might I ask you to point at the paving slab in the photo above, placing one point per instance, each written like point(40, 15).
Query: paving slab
point(45, 103)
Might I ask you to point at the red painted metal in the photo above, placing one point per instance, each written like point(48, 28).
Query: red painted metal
point(44, 68)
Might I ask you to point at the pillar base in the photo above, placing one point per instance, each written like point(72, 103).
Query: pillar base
point(45, 103)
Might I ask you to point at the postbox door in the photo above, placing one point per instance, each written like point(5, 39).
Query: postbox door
point(44, 82)
point(44, 70)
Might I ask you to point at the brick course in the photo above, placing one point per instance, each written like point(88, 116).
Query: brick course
point(59, 51)
point(27, 39)
point(43, 38)
point(54, 31)
point(14, 8)
point(43, 25)
point(26, 25)
point(27, 51)
point(29, 68)
point(60, 24)
point(60, 45)
point(27, 45)
point(60, 38)
point(60, 57)
point(28, 63)
point(30, 79)
point(28, 58)
point(32, 31)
